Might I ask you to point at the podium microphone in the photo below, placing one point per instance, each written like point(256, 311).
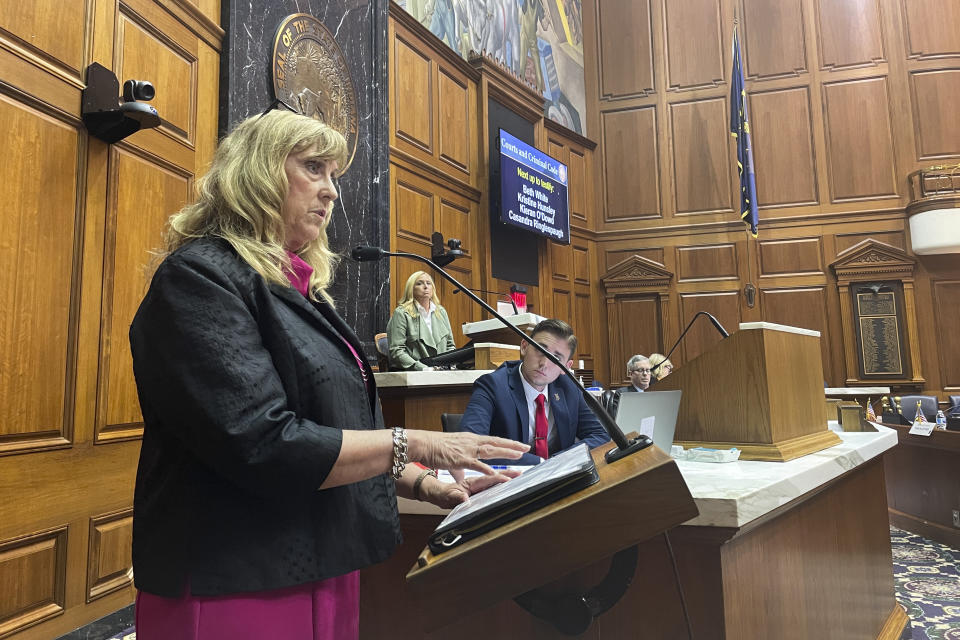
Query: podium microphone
point(716, 323)
point(367, 254)
point(624, 447)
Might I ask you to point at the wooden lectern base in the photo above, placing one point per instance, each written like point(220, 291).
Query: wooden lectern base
point(760, 390)
point(819, 566)
point(636, 497)
point(490, 355)
point(777, 452)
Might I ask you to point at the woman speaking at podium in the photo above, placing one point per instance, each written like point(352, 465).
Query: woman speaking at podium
point(419, 327)
point(266, 479)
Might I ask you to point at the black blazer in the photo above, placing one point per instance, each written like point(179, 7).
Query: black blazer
point(245, 389)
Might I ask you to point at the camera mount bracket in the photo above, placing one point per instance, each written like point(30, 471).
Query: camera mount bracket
point(108, 117)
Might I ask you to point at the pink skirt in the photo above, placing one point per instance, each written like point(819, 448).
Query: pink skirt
point(325, 610)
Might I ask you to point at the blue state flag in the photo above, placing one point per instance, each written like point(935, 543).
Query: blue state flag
point(740, 129)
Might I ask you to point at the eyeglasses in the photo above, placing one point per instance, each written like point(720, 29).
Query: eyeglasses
point(276, 104)
point(641, 371)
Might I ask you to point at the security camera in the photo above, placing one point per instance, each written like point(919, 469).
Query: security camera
point(146, 115)
point(439, 254)
point(111, 117)
point(138, 90)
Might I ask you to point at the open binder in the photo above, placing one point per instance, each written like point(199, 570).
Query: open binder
point(555, 478)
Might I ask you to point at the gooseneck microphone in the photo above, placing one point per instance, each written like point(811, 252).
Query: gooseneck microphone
point(495, 293)
point(624, 447)
point(713, 321)
point(368, 254)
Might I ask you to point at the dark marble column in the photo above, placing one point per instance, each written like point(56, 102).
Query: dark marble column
point(362, 214)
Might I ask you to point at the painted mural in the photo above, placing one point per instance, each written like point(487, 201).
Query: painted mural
point(540, 40)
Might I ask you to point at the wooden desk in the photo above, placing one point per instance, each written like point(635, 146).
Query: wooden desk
point(415, 399)
point(923, 484)
point(792, 550)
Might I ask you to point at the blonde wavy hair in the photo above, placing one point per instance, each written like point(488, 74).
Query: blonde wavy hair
point(657, 359)
point(408, 302)
point(241, 196)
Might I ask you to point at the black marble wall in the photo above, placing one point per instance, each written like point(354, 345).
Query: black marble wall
point(361, 216)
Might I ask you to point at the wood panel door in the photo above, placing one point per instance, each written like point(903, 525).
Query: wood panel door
point(80, 218)
point(420, 206)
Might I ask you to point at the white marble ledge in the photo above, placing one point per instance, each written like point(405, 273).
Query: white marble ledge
point(496, 345)
point(843, 392)
point(734, 493)
point(519, 320)
point(746, 326)
point(427, 378)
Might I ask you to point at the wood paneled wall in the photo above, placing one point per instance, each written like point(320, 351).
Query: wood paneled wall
point(846, 99)
point(435, 176)
point(439, 181)
point(79, 220)
point(570, 269)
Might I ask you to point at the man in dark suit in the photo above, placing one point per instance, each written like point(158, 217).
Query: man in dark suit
point(639, 371)
point(529, 400)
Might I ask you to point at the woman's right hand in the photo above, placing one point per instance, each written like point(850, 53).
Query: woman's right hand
point(461, 450)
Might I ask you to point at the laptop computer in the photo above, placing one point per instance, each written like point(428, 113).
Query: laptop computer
point(651, 413)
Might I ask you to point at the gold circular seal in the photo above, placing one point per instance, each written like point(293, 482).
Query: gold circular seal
point(310, 75)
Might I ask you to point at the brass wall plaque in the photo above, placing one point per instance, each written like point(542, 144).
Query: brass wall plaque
point(881, 348)
point(310, 74)
point(877, 304)
point(880, 340)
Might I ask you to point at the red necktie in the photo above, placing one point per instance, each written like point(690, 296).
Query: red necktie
point(540, 435)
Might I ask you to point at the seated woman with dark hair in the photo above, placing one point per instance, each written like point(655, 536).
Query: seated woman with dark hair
point(419, 327)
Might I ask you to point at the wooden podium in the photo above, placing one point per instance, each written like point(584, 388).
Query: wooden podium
point(636, 498)
point(490, 355)
point(760, 390)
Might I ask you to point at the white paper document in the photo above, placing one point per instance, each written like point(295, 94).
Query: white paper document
point(563, 464)
point(646, 426)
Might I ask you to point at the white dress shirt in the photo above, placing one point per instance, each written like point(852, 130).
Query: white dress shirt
point(426, 314)
point(531, 393)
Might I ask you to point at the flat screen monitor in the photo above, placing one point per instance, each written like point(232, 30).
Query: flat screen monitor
point(533, 190)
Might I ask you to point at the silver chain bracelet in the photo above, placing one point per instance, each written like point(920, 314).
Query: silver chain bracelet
point(416, 485)
point(400, 458)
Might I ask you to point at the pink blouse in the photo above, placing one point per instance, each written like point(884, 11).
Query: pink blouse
point(299, 277)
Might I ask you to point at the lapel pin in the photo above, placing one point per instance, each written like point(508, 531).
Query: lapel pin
point(556, 397)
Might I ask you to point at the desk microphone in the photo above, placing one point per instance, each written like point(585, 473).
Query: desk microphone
point(713, 321)
point(624, 447)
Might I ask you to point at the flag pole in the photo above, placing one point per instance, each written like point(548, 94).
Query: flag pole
point(749, 290)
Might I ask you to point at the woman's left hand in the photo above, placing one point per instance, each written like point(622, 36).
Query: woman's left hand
point(449, 494)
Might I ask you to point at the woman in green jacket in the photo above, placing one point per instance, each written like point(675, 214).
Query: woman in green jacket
point(419, 327)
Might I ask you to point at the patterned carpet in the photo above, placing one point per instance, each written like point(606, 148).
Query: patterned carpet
point(926, 576)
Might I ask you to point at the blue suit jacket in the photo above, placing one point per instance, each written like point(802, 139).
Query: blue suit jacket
point(498, 407)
